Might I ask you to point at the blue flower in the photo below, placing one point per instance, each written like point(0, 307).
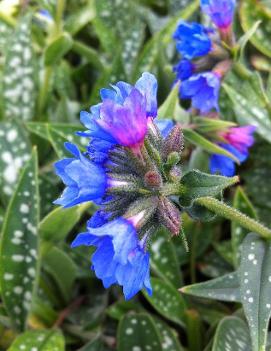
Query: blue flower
point(84, 180)
point(224, 165)
point(203, 89)
point(164, 126)
point(184, 69)
point(119, 257)
point(192, 40)
point(121, 117)
point(220, 11)
point(98, 150)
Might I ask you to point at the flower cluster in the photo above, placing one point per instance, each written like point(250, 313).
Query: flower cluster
point(126, 171)
point(204, 63)
point(204, 60)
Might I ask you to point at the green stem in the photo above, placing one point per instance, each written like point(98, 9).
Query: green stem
point(44, 89)
point(59, 14)
point(234, 215)
point(194, 330)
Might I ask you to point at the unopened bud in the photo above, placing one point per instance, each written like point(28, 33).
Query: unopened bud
point(153, 180)
point(173, 142)
point(141, 210)
point(222, 68)
point(169, 215)
point(175, 174)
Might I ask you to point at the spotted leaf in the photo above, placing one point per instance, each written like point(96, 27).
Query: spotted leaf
point(19, 246)
point(164, 260)
point(167, 301)
point(39, 340)
point(232, 334)
point(15, 150)
point(238, 233)
point(138, 333)
point(255, 285)
point(225, 288)
point(19, 84)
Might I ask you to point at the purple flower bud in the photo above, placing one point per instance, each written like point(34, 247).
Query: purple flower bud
point(220, 11)
point(169, 215)
point(192, 40)
point(203, 90)
point(240, 137)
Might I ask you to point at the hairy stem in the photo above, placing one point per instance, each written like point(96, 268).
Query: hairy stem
point(232, 214)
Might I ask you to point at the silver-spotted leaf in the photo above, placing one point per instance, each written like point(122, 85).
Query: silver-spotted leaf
point(19, 249)
point(138, 332)
point(232, 334)
point(255, 286)
point(19, 81)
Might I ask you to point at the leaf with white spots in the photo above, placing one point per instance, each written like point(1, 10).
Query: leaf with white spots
point(232, 334)
point(5, 31)
point(120, 19)
point(169, 337)
point(164, 259)
point(19, 246)
point(238, 233)
point(225, 288)
point(255, 287)
point(249, 102)
point(167, 301)
point(137, 332)
point(19, 82)
point(250, 12)
point(15, 150)
point(39, 340)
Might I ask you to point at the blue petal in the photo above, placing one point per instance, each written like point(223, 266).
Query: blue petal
point(164, 126)
point(147, 85)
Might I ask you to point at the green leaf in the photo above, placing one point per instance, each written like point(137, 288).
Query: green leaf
point(225, 288)
point(238, 233)
point(167, 301)
point(19, 246)
point(120, 308)
point(57, 134)
point(15, 151)
point(255, 282)
point(207, 125)
point(250, 102)
point(39, 340)
point(232, 334)
point(243, 41)
point(63, 270)
point(19, 74)
point(138, 332)
point(58, 223)
point(171, 107)
point(196, 184)
point(5, 31)
point(57, 49)
point(170, 340)
point(163, 258)
point(250, 12)
point(80, 18)
point(196, 139)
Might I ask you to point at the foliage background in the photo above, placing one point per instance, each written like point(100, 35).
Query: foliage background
point(50, 69)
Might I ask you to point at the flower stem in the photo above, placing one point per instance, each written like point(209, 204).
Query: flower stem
point(234, 215)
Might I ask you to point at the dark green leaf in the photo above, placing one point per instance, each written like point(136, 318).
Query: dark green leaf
point(196, 184)
point(167, 301)
point(138, 333)
point(57, 49)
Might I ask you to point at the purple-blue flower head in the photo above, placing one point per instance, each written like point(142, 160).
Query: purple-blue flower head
point(122, 116)
point(203, 90)
point(84, 180)
point(184, 69)
point(119, 257)
point(220, 11)
point(192, 40)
